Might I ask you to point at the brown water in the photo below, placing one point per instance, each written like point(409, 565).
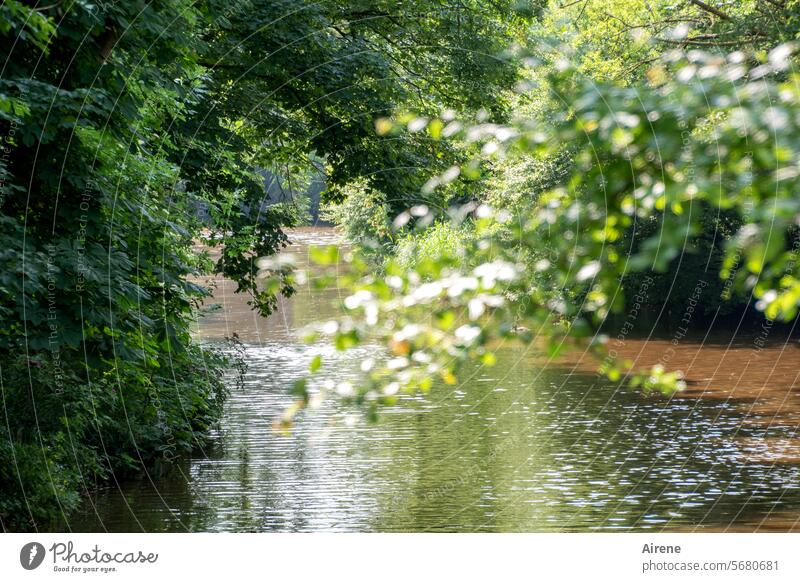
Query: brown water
point(528, 445)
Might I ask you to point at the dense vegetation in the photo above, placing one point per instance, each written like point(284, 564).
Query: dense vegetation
point(552, 157)
point(667, 169)
point(620, 44)
point(132, 129)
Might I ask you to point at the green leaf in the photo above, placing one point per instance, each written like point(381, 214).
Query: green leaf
point(324, 255)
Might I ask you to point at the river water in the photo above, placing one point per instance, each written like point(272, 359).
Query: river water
point(527, 445)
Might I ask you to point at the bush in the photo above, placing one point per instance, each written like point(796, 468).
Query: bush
point(364, 218)
point(442, 239)
point(60, 435)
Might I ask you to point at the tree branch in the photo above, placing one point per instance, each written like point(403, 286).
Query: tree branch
point(710, 9)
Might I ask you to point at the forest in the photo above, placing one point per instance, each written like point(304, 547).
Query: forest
point(530, 172)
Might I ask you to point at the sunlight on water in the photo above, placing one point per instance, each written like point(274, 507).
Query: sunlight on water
point(523, 446)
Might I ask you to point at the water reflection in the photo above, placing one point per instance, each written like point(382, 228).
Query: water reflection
point(519, 447)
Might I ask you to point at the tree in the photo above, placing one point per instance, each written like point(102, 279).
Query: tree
point(120, 120)
point(736, 150)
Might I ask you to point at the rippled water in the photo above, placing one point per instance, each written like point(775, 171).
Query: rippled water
point(523, 446)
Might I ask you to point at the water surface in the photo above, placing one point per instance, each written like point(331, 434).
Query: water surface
point(527, 445)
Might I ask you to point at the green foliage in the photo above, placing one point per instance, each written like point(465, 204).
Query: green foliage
point(617, 41)
point(519, 181)
point(634, 178)
point(363, 216)
point(330, 68)
point(122, 123)
point(609, 39)
point(99, 373)
point(440, 241)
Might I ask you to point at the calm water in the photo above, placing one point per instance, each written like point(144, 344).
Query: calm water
point(524, 446)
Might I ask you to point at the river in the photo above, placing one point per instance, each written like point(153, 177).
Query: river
point(524, 446)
